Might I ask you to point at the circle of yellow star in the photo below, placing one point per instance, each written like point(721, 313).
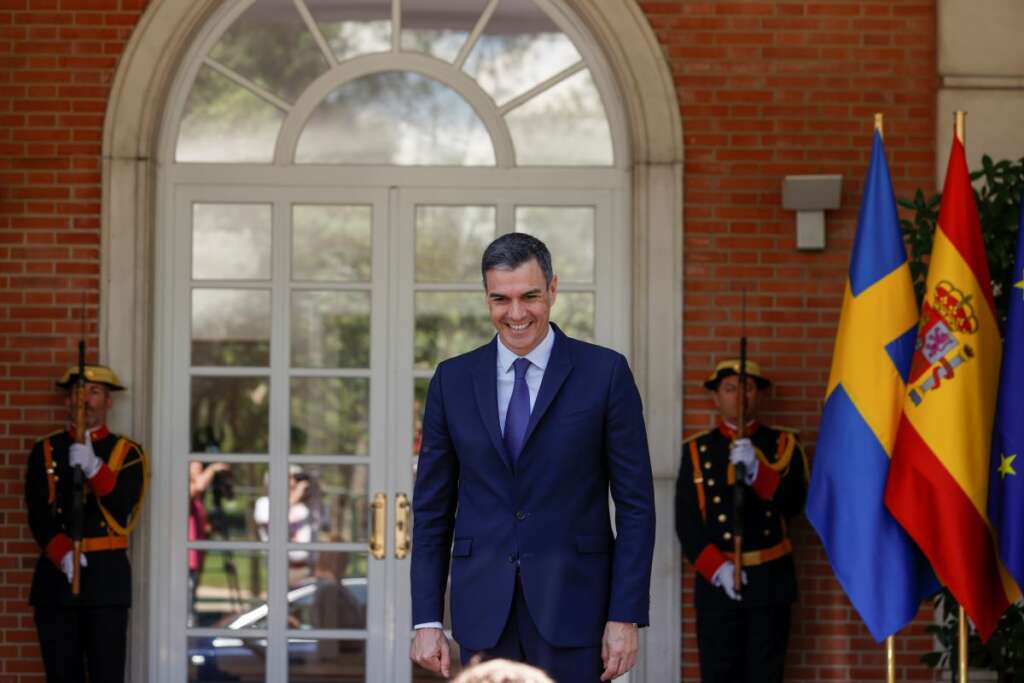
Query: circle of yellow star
point(1006, 465)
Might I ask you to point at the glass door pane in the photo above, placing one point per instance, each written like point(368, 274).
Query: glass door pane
point(287, 438)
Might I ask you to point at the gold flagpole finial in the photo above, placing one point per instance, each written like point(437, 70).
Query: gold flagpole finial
point(960, 124)
point(878, 124)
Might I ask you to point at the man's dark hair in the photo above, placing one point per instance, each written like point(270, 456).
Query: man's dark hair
point(512, 250)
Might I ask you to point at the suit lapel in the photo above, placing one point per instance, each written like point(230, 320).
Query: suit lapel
point(558, 369)
point(485, 386)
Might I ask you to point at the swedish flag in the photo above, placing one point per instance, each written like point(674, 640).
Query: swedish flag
point(1006, 480)
point(878, 565)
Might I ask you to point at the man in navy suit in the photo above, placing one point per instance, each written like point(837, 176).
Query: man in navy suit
point(522, 440)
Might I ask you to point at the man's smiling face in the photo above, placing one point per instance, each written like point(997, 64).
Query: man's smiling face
point(520, 304)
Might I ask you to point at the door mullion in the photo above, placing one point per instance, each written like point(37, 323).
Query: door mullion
point(278, 446)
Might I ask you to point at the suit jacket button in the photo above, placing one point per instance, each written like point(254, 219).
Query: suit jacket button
point(711, 482)
point(520, 515)
point(727, 535)
point(721, 518)
point(716, 499)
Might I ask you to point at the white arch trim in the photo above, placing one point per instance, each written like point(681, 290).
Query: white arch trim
point(432, 68)
point(130, 165)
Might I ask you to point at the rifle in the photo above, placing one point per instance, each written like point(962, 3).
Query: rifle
point(738, 490)
point(78, 495)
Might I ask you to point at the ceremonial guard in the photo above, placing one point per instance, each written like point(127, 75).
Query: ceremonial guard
point(743, 612)
point(82, 616)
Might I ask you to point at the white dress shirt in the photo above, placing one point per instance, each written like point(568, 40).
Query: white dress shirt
point(538, 358)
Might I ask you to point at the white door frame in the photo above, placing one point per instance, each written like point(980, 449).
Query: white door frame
point(653, 224)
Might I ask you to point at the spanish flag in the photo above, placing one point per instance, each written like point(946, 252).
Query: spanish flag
point(938, 479)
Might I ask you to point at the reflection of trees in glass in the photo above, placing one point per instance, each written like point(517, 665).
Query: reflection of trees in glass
point(330, 415)
point(449, 323)
point(230, 241)
point(340, 493)
point(450, 240)
point(225, 122)
point(436, 30)
point(353, 27)
point(568, 232)
point(230, 327)
point(419, 402)
point(395, 117)
point(574, 313)
point(331, 243)
point(563, 126)
point(520, 47)
point(270, 45)
point(232, 582)
point(234, 410)
point(330, 329)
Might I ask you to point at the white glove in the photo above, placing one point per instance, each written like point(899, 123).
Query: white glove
point(82, 455)
point(724, 578)
point(742, 451)
point(67, 564)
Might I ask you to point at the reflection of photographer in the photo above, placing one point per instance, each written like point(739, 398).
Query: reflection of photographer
point(200, 478)
point(303, 512)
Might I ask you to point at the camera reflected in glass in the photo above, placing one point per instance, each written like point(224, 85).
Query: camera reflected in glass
point(222, 500)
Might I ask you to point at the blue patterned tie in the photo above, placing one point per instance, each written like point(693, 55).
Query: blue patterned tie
point(518, 415)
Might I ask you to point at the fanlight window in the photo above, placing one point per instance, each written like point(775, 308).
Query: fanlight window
point(394, 82)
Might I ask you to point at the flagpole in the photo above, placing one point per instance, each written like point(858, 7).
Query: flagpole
point(959, 126)
point(890, 641)
point(890, 659)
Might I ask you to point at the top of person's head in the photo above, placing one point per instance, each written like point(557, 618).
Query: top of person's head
point(512, 250)
point(502, 671)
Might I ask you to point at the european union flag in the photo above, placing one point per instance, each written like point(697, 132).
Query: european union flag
point(1006, 481)
point(876, 562)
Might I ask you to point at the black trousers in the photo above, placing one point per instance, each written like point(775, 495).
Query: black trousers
point(522, 642)
point(744, 645)
point(74, 640)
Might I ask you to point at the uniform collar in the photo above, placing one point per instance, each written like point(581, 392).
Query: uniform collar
point(729, 430)
point(95, 434)
point(540, 355)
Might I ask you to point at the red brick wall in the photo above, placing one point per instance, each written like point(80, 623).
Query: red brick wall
point(57, 62)
point(769, 89)
point(766, 89)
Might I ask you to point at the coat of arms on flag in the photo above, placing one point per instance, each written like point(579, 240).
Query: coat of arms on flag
point(946, 321)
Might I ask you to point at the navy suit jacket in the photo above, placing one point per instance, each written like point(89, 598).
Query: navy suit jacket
point(548, 515)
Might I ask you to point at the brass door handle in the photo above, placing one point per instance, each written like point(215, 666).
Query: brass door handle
point(403, 532)
point(378, 518)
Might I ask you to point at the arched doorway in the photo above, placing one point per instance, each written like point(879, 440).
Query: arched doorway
point(316, 235)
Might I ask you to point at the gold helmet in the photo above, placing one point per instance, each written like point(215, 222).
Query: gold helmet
point(97, 374)
point(732, 367)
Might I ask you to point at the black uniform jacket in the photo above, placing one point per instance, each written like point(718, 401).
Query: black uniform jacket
point(106, 581)
point(776, 495)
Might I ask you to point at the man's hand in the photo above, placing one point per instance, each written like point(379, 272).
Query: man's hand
point(430, 650)
point(67, 565)
point(619, 646)
point(724, 577)
point(742, 451)
point(82, 455)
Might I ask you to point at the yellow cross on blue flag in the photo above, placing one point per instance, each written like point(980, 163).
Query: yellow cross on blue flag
point(878, 565)
point(1006, 479)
